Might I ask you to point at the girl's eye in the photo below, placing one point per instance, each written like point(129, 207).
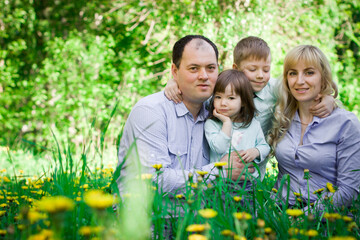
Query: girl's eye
point(252, 70)
point(217, 97)
point(231, 98)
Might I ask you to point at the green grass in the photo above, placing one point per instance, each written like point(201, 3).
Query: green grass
point(62, 174)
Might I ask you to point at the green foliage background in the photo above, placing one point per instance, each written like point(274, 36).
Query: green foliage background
point(65, 64)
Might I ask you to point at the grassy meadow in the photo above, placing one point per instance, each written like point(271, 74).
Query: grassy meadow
point(73, 198)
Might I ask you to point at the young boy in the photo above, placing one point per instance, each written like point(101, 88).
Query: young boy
point(252, 56)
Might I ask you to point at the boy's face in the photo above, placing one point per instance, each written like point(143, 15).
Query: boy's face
point(257, 71)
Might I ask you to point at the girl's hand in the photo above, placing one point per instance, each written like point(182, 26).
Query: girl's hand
point(249, 155)
point(221, 117)
point(172, 91)
point(325, 107)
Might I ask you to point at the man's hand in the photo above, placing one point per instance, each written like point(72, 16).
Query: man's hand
point(236, 167)
point(325, 107)
point(172, 91)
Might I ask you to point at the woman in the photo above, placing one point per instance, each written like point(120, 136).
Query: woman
point(329, 147)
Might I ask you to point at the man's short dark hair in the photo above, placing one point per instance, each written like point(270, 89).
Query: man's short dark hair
point(179, 47)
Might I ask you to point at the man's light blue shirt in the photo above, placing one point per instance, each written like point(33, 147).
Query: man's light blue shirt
point(166, 133)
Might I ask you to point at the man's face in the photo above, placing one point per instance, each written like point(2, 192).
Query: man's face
point(197, 72)
point(257, 71)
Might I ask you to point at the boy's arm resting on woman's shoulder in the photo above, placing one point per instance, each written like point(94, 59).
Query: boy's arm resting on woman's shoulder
point(150, 131)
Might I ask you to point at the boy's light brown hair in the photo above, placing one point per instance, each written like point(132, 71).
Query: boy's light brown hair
point(253, 48)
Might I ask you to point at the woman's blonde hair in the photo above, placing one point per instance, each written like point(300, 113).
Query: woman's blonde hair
point(287, 105)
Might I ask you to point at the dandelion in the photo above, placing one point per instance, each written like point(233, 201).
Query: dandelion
point(274, 190)
point(3, 232)
point(297, 194)
point(330, 187)
point(260, 223)
point(227, 233)
point(319, 191)
point(6, 179)
point(294, 212)
point(307, 174)
point(98, 199)
point(179, 196)
point(197, 237)
point(347, 219)
point(293, 231)
point(242, 216)
point(2, 213)
point(332, 216)
point(352, 226)
point(237, 198)
point(237, 237)
point(35, 216)
point(146, 176)
point(157, 166)
point(3, 170)
point(85, 231)
point(3, 205)
point(55, 204)
point(267, 230)
point(21, 172)
point(311, 233)
point(208, 213)
point(196, 228)
point(342, 238)
point(220, 165)
point(202, 173)
point(194, 185)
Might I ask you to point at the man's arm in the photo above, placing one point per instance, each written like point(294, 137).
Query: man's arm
point(149, 129)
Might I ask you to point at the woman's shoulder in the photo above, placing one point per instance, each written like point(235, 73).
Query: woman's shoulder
point(342, 116)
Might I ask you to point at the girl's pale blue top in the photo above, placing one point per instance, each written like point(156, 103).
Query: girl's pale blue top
point(242, 138)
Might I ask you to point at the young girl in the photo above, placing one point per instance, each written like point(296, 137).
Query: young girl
point(231, 124)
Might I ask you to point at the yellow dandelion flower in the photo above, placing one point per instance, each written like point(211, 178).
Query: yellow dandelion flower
point(342, 238)
point(347, 219)
point(2, 213)
point(3, 205)
point(85, 186)
point(332, 216)
point(197, 237)
point(237, 237)
point(78, 199)
point(352, 226)
point(3, 232)
point(85, 231)
point(294, 212)
point(157, 166)
point(330, 187)
point(227, 233)
point(98, 199)
point(35, 216)
point(267, 230)
point(237, 198)
point(297, 194)
point(293, 231)
point(3, 170)
point(202, 173)
point(319, 191)
point(55, 204)
point(6, 179)
point(208, 213)
point(260, 223)
point(242, 216)
point(220, 164)
point(311, 233)
point(195, 228)
point(21, 171)
point(24, 187)
point(146, 176)
point(179, 196)
point(274, 190)
point(21, 227)
point(194, 185)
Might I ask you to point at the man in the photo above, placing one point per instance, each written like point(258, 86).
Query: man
point(173, 134)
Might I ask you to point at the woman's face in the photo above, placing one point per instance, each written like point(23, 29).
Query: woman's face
point(304, 82)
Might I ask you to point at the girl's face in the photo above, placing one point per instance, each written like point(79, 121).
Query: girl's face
point(304, 82)
point(227, 103)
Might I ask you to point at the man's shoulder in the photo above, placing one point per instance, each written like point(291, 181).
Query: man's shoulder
point(153, 100)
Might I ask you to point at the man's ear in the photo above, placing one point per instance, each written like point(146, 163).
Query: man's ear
point(174, 71)
point(235, 66)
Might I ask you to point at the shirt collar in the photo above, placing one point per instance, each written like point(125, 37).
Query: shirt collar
point(181, 110)
point(262, 93)
point(315, 119)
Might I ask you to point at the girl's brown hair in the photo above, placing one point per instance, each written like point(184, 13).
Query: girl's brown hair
point(241, 86)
